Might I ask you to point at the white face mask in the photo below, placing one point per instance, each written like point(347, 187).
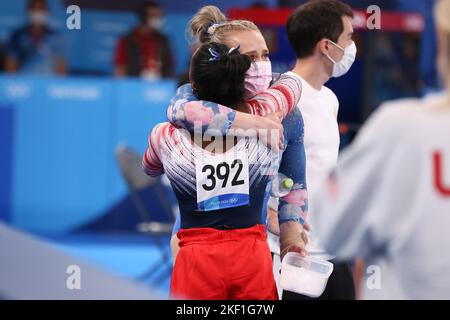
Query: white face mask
point(340, 68)
point(257, 78)
point(38, 17)
point(155, 23)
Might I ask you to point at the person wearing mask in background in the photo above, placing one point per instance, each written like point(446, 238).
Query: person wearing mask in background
point(320, 32)
point(145, 52)
point(388, 200)
point(35, 48)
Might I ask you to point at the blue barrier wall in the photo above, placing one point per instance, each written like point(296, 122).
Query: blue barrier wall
point(65, 131)
point(6, 150)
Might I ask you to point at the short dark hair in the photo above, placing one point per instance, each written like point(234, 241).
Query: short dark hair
point(219, 77)
point(141, 11)
point(31, 3)
point(313, 21)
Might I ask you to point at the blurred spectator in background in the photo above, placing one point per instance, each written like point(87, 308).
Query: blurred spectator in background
point(145, 51)
point(2, 57)
point(35, 47)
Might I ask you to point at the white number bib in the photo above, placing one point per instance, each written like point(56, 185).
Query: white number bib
point(222, 180)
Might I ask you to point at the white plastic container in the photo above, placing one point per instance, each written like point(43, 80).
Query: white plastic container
point(304, 275)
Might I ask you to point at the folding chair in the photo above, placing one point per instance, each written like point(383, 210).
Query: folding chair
point(131, 168)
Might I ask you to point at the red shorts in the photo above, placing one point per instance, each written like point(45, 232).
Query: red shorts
point(223, 265)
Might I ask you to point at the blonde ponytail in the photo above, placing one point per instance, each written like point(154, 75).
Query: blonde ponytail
point(203, 20)
point(209, 24)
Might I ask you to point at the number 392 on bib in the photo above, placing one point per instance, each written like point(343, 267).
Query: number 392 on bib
point(222, 180)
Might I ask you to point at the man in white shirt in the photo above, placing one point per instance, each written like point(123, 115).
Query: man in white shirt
point(320, 32)
point(388, 200)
